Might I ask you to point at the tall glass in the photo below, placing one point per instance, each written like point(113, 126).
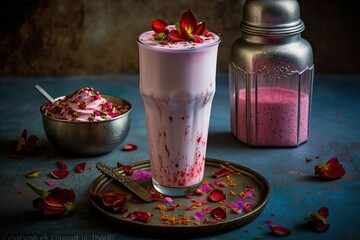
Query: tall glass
point(177, 85)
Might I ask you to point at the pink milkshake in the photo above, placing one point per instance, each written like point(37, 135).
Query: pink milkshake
point(177, 84)
point(278, 119)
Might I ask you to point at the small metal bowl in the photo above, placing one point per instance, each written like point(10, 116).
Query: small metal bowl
point(88, 138)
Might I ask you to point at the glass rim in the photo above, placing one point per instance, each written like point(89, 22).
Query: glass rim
point(189, 49)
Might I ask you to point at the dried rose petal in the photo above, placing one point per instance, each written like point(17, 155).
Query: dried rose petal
point(118, 204)
point(206, 220)
point(127, 168)
point(82, 105)
point(61, 165)
point(168, 199)
point(268, 221)
point(129, 147)
point(248, 193)
point(111, 199)
point(219, 184)
point(27, 144)
point(108, 198)
point(61, 173)
point(219, 213)
point(50, 182)
point(317, 221)
point(222, 173)
point(57, 201)
point(206, 187)
point(330, 170)
point(248, 206)
point(217, 195)
point(199, 215)
point(324, 211)
point(31, 143)
point(279, 230)
point(119, 207)
point(198, 191)
point(80, 167)
point(144, 217)
point(319, 226)
point(33, 174)
point(140, 175)
point(237, 206)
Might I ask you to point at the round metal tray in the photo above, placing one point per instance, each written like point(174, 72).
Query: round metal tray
point(247, 177)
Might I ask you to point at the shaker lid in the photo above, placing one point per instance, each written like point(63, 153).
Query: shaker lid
point(271, 17)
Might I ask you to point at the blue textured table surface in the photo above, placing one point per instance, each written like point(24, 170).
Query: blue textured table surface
point(295, 193)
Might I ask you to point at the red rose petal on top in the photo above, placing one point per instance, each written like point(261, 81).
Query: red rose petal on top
point(158, 26)
point(217, 195)
point(80, 167)
point(175, 36)
point(184, 33)
point(188, 21)
point(200, 29)
point(196, 39)
point(61, 173)
point(129, 147)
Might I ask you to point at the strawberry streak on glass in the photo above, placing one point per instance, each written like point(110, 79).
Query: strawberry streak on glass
point(177, 84)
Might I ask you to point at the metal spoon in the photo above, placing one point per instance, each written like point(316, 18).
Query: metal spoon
point(44, 93)
point(134, 187)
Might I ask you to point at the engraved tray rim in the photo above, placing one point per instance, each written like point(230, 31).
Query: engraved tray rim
point(102, 182)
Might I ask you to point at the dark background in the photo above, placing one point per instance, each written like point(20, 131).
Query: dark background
point(91, 37)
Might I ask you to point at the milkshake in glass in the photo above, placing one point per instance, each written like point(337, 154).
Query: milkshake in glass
point(177, 85)
point(281, 118)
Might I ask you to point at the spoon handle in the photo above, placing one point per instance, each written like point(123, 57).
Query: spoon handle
point(44, 93)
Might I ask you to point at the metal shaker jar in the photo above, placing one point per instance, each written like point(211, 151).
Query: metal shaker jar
point(271, 76)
